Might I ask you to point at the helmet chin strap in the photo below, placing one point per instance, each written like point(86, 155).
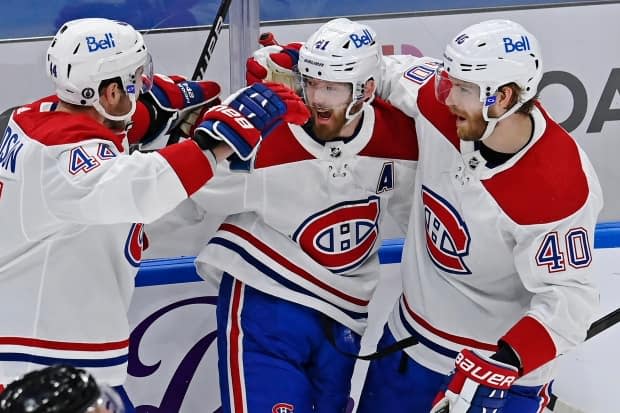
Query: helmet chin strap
point(118, 118)
point(492, 122)
point(349, 116)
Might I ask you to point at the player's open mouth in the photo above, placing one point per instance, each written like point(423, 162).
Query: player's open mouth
point(323, 114)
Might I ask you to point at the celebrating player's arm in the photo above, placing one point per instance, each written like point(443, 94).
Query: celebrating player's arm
point(274, 62)
point(93, 175)
point(84, 171)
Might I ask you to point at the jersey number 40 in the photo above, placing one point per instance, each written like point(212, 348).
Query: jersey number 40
point(552, 254)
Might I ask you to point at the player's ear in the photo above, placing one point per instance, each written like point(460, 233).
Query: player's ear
point(369, 89)
point(111, 93)
point(507, 96)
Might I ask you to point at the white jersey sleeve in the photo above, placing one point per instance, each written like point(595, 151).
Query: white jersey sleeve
point(82, 184)
point(555, 264)
point(229, 192)
point(401, 78)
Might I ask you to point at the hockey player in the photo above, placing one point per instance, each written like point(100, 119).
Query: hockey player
point(73, 202)
point(297, 258)
point(56, 389)
point(498, 255)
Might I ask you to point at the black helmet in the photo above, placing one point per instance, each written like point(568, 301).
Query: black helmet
point(56, 389)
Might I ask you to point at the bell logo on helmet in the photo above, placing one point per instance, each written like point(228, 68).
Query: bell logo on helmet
point(364, 39)
point(106, 43)
point(516, 46)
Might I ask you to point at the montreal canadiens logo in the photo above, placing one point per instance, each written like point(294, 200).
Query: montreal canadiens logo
point(342, 236)
point(447, 238)
point(283, 408)
point(135, 244)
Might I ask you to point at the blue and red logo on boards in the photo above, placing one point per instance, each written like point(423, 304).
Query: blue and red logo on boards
point(106, 43)
point(183, 374)
point(283, 408)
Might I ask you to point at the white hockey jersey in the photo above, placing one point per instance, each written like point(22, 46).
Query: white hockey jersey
point(494, 253)
point(308, 217)
point(72, 204)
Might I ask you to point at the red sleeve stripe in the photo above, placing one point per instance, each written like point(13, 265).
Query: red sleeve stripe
point(532, 343)
point(63, 345)
point(189, 163)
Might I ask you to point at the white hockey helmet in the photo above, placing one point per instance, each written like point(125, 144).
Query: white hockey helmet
point(492, 54)
point(342, 51)
point(86, 51)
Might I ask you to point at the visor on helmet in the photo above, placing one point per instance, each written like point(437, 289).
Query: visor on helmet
point(324, 94)
point(459, 92)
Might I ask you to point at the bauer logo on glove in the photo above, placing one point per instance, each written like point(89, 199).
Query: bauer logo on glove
point(478, 384)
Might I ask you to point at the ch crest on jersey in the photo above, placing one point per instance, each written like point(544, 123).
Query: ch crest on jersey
point(134, 245)
point(283, 408)
point(341, 237)
point(447, 237)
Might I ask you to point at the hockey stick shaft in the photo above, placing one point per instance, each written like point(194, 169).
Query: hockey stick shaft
point(595, 329)
point(603, 323)
point(213, 36)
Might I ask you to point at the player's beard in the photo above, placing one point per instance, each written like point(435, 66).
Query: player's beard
point(328, 129)
point(469, 127)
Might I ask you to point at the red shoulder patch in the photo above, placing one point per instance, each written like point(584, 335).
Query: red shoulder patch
point(279, 148)
point(394, 135)
point(547, 184)
point(59, 128)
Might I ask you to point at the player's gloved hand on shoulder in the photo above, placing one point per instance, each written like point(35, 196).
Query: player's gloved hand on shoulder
point(248, 116)
point(478, 384)
point(273, 63)
point(170, 110)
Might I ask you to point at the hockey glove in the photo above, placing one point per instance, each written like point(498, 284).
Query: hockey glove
point(248, 116)
point(478, 385)
point(170, 110)
point(274, 63)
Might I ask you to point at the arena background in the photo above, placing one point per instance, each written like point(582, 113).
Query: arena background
point(172, 356)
